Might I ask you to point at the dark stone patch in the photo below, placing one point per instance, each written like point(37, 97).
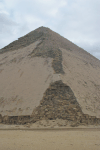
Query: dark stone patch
point(59, 102)
point(56, 54)
point(0, 118)
point(22, 42)
point(15, 119)
point(46, 48)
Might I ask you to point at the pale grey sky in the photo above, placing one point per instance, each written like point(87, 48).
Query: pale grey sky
point(76, 20)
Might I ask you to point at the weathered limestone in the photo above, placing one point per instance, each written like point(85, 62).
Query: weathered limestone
point(15, 119)
point(58, 102)
point(63, 62)
point(0, 118)
point(56, 54)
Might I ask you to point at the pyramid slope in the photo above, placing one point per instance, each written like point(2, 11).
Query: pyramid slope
point(29, 65)
point(52, 40)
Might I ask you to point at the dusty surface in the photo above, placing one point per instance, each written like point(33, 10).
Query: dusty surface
point(84, 80)
point(49, 139)
point(24, 77)
point(24, 80)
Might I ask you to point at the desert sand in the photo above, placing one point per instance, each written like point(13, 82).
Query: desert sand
point(50, 139)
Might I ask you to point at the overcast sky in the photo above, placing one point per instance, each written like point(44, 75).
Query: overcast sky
point(76, 20)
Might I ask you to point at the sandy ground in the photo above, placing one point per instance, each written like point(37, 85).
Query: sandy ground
point(49, 139)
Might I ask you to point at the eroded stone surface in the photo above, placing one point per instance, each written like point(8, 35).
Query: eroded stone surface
point(48, 47)
point(56, 54)
point(31, 64)
point(58, 102)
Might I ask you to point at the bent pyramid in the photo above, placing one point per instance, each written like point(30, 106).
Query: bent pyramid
point(45, 76)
